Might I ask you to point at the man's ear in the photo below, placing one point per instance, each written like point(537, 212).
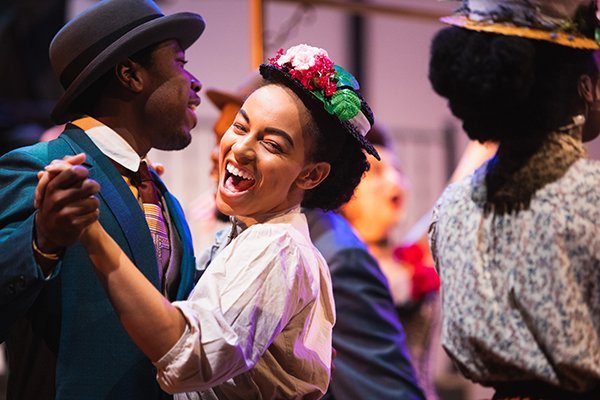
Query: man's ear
point(313, 174)
point(586, 88)
point(129, 75)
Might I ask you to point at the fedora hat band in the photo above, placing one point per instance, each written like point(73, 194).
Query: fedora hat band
point(74, 68)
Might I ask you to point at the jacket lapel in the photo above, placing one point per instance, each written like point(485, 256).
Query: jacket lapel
point(119, 200)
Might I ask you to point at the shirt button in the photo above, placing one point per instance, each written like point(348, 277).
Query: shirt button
point(11, 288)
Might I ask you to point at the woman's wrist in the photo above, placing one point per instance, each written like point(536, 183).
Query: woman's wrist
point(91, 237)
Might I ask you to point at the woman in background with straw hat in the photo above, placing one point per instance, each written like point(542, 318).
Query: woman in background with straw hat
point(517, 244)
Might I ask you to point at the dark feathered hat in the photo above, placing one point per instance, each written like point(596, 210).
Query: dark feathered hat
point(324, 87)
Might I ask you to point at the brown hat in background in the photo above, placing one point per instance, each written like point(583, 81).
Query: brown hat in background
point(105, 34)
point(219, 97)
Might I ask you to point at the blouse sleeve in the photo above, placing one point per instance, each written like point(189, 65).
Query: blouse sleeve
point(242, 302)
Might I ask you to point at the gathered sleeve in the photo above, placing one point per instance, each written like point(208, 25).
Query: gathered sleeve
point(243, 301)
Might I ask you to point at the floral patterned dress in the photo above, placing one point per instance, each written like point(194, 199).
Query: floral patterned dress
point(520, 269)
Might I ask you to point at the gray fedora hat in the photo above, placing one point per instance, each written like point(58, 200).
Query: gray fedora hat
point(107, 33)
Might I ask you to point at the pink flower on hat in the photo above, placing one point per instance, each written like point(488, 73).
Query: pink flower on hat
point(302, 56)
point(311, 66)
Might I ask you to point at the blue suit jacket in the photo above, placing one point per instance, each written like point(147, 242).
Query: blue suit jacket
point(63, 336)
point(372, 359)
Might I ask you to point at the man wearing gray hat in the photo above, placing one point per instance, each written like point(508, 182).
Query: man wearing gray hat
point(121, 63)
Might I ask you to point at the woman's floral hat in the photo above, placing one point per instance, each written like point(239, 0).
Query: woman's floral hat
point(315, 78)
point(571, 23)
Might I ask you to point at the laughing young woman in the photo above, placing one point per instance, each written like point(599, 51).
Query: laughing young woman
point(258, 323)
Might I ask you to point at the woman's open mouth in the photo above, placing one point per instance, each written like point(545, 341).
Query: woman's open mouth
point(237, 180)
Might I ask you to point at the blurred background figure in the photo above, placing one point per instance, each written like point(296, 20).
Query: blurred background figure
point(375, 211)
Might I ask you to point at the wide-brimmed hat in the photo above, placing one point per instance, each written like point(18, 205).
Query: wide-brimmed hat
point(221, 97)
point(572, 23)
point(107, 33)
point(325, 88)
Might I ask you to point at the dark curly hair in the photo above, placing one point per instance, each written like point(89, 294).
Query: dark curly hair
point(506, 88)
point(348, 162)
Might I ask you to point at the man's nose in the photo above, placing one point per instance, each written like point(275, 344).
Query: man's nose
point(196, 85)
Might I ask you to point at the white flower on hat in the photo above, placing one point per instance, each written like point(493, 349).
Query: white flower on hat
point(302, 56)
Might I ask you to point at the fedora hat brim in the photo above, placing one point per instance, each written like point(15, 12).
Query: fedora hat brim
point(183, 27)
point(220, 98)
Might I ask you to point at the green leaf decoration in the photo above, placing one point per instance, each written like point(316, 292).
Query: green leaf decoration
point(345, 78)
point(344, 103)
point(319, 95)
point(597, 35)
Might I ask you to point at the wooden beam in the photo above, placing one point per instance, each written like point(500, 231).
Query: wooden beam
point(256, 33)
point(367, 8)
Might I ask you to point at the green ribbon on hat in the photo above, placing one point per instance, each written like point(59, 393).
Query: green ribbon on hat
point(344, 103)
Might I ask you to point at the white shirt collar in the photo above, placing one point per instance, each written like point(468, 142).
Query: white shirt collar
point(110, 143)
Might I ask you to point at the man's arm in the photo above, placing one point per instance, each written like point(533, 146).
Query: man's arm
point(372, 359)
point(21, 279)
point(30, 242)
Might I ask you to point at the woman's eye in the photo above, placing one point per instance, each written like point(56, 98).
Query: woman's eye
point(239, 128)
point(274, 146)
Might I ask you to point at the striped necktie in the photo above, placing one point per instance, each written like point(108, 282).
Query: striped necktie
point(149, 195)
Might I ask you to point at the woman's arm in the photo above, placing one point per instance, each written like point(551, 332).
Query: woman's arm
point(150, 319)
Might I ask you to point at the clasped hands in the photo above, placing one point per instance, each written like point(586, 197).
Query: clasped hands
point(66, 204)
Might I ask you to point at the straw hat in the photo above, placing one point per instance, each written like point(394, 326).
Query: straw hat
point(572, 23)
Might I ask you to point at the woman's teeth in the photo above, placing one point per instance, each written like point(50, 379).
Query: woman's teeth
point(234, 171)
